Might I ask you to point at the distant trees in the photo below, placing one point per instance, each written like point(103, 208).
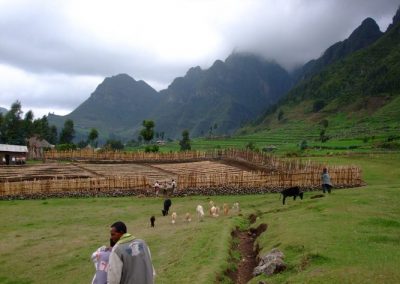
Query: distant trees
point(148, 131)
point(16, 130)
point(67, 133)
point(185, 142)
point(113, 144)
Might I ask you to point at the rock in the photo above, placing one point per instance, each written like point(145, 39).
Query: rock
point(270, 263)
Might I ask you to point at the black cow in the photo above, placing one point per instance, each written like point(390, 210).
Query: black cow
point(167, 205)
point(152, 220)
point(291, 191)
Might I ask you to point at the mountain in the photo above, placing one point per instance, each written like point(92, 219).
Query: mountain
point(117, 107)
point(366, 34)
point(357, 96)
point(3, 110)
point(222, 97)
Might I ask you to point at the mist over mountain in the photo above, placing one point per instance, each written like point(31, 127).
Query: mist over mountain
point(3, 110)
point(231, 93)
point(367, 33)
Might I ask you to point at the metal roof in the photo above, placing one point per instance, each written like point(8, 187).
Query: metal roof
point(13, 148)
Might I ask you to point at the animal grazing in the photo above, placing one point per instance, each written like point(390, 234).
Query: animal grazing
point(152, 220)
point(200, 212)
point(226, 209)
point(167, 205)
point(236, 206)
point(173, 216)
point(214, 211)
point(291, 191)
point(188, 218)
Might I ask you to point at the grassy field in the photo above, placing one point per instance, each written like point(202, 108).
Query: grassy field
point(351, 236)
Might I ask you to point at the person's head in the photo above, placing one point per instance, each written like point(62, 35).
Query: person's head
point(117, 230)
point(325, 170)
point(112, 243)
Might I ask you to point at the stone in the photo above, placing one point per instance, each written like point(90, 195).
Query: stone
point(271, 263)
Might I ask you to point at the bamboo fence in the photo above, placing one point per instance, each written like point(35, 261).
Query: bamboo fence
point(90, 154)
point(44, 187)
point(340, 176)
point(274, 173)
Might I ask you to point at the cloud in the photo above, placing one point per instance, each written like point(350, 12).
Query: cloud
point(56, 52)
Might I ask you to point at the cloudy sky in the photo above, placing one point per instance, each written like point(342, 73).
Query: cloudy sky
point(53, 54)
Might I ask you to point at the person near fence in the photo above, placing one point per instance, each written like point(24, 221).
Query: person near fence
point(130, 258)
point(326, 181)
point(101, 259)
point(173, 184)
point(157, 188)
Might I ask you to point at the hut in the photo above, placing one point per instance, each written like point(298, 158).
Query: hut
point(37, 147)
point(13, 154)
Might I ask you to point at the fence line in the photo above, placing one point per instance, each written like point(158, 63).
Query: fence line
point(341, 177)
point(90, 154)
point(73, 185)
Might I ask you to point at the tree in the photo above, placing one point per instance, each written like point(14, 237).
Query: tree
point(185, 142)
point(148, 131)
point(303, 145)
point(93, 135)
point(12, 125)
point(280, 115)
point(67, 133)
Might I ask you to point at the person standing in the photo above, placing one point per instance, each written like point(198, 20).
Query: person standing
point(173, 184)
point(157, 188)
point(130, 258)
point(326, 181)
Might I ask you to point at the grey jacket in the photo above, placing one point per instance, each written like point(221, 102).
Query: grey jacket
point(130, 262)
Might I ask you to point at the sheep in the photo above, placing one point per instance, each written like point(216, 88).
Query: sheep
point(291, 191)
point(236, 206)
point(226, 209)
point(188, 218)
point(200, 212)
point(173, 216)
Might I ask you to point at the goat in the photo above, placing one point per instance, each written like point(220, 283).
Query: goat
point(188, 218)
point(152, 220)
point(214, 211)
point(226, 209)
point(291, 191)
point(200, 212)
point(173, 216)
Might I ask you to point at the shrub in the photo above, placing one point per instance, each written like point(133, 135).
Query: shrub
point(65, 147)
point(151, 148)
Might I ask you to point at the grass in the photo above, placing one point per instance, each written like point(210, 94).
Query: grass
point(351, 236)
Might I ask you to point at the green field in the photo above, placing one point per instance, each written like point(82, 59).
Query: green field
point(351, 236)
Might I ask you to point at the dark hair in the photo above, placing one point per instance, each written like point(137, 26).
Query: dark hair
point(119, 226)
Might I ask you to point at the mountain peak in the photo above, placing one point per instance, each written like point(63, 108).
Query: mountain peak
point(368, 31)
point(396, 20)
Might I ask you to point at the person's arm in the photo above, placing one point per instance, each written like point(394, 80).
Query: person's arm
point(114, 269)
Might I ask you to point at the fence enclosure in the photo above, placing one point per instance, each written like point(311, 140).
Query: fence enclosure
point(272, 173)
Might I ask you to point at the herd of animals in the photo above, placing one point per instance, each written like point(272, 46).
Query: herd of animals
point(214, 210)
